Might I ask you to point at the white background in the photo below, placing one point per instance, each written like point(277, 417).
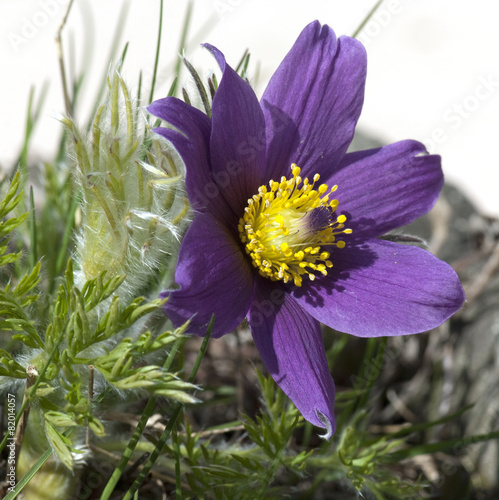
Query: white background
point(433, 71)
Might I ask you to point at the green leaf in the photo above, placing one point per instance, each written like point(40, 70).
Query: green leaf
point(60, 444)
point(12, 310)
point(30, 337)
point(59, 419)
point(9, 225)
point(96, 426)
point(44, 390)
point(9, 367)
point(8, 258)
point(26, 284)
point(12, 198)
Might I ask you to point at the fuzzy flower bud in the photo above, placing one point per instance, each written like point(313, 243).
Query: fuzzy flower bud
point(133, 204)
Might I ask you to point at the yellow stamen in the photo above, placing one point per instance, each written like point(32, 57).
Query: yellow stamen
point(278, 229)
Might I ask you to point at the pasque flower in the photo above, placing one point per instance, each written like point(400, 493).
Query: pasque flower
point(270, 242)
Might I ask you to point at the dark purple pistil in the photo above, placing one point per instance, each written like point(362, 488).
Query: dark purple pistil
point(320, 218)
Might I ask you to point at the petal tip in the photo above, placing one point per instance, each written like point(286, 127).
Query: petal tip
point(155, 106)
point(329, 425)
point(216, 54)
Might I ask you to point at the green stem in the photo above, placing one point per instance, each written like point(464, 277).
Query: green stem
point(176, 412)
point(176, 448)
point(181, 47)
point(34, 387)
point(68, 233)
point(146, 414)
point(276, 462)
point(366, 19)
point(120, 24)
point(158, 44)
point(32, 230)
point(33, 471)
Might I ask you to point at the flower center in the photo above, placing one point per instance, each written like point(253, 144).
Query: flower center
point(285, 227)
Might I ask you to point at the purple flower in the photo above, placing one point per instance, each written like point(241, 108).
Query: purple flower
point(270, 242)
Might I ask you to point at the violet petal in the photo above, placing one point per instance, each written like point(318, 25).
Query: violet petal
point(291, 346)
point(192, 142)
point(313, 101)
point(385, 188)
point(237, 138)
point(382, 289)
point(214, 278)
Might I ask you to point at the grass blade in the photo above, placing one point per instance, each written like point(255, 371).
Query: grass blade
point(366, 19)
point(173, 419)
point(158, 45)
point(181, 47)
point(146, 414)
point(31, 473)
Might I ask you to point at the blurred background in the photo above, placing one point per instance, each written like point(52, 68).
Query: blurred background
point(433, 70)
